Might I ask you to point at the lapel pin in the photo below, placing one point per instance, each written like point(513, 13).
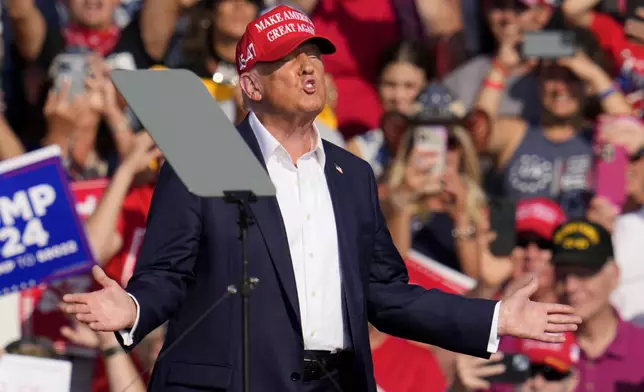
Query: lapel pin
point(338, 168)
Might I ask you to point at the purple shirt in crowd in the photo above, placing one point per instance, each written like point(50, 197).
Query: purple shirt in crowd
point(620, 368)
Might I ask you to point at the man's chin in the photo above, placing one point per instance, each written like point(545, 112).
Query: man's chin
point(313, 109)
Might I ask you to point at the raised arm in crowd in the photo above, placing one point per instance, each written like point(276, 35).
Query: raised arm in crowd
point(10, 144)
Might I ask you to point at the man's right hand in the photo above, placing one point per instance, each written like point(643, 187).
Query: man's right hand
point(110, 309)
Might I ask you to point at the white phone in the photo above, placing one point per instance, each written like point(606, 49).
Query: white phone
point(432, 138)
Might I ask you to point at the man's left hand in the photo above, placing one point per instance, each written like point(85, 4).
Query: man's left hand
point(523, 318)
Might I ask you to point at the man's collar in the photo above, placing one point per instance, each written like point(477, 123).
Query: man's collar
point(269, 145)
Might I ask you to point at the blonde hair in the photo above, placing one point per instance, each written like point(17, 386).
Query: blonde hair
point(475, 199)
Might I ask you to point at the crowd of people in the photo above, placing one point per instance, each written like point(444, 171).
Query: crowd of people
point(519, 189)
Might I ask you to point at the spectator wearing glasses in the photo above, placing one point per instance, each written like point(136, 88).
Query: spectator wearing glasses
point(553, 368)
point(586, 271)
point(536, 219)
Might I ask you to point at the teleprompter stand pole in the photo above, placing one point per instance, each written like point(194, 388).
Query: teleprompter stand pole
point(243, 199)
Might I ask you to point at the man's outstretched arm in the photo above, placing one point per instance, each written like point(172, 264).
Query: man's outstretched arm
point(165, 263)
point(466, 325)
point(164, 268)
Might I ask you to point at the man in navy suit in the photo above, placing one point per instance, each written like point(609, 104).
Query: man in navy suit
point(323, 255)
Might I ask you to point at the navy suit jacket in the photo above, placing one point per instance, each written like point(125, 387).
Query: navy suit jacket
point(191, 254)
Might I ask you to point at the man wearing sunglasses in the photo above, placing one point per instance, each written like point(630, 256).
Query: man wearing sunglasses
point(586, 272)
point(536, 219)
point(552, 366)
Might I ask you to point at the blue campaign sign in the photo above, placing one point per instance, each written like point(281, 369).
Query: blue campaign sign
point(42, 239)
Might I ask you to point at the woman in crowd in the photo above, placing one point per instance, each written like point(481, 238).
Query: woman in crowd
point(506, 20)
point(91, 128)
point(405, 69)
point(207, 45)
point(442, 225)
point(553, 157)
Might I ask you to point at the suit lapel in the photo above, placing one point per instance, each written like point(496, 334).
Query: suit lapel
point(268, 218)
point(340, 187)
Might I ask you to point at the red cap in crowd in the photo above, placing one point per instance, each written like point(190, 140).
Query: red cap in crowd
point(540, 216)
point(274, 35)
point(559, 356)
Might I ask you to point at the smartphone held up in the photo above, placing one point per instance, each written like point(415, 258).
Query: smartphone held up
point(548, 44)
point(432, 139)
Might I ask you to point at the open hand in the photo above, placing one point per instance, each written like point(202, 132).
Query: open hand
point(110, 309)
point(522, 318)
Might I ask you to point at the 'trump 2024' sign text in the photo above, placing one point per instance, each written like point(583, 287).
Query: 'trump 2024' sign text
point(41, 236)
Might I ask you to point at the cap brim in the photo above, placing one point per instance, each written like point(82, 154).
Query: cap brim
point(557, 364)
point(288, 44)
point(569, 258)
point(581, 259)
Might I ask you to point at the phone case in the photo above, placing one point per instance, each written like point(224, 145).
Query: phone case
point(74, 68)
point(502, 222)
point(517, 370)
point(611, 163)
point(551, 44)
point(432, 139)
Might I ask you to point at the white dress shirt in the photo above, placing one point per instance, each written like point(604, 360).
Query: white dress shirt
point(305, 203)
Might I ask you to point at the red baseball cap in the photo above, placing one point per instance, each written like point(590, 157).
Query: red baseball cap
point(540, 216)
point(274, 35)
point(559, 356)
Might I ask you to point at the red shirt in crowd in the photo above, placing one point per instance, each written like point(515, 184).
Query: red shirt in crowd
point(627, 56)
point(360, 30)
point(39, 306)
point(402, 366)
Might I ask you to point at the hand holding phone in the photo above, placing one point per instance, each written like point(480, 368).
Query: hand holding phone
point(517, 370)
point(548, 44)
point(72, 69)
point(472, 372)
point(418, 176)
point(432, 139)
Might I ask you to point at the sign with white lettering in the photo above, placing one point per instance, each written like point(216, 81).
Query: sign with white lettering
point(19, 373)
point(42, 238)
